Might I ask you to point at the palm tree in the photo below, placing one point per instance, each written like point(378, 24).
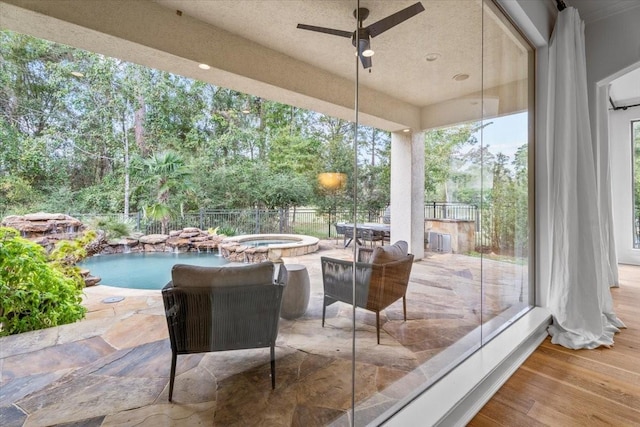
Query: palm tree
point(166, 174)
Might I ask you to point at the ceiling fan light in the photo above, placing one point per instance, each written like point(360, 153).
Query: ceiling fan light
point(365, 47)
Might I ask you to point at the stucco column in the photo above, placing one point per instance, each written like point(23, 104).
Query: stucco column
point(407, 190)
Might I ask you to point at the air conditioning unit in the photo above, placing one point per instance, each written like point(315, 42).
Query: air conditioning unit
point(439, 242)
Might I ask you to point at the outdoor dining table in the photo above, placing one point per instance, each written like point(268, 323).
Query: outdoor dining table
point(378, 229)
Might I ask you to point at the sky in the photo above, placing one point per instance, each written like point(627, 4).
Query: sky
point(505, 134)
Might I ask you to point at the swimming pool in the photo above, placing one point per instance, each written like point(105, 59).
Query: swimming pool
point(144, 270)
point(266, 242)
point(276, 245)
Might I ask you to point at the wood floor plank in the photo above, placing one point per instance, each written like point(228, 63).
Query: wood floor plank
point(588, 364)
point(580, 405)
point(621, 389)
point(500, 414)
point(551, 417)
point(557, 386)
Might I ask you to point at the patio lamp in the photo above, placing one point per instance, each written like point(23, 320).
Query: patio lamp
point(332, 181)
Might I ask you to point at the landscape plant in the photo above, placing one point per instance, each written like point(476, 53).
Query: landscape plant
point(35, 293)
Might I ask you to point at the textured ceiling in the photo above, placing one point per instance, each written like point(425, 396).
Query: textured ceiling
point(451, 28)
point(254, 46)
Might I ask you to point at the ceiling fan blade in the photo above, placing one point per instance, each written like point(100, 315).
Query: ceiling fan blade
point(392, 20)
point(347, 34)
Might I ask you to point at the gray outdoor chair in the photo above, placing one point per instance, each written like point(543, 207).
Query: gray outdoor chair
point(222, 308)
point(382, 277)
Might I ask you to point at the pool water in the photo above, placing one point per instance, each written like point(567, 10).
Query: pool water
point(265, 242)
point(144, 270)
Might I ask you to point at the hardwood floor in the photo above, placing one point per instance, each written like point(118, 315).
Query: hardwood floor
point(561, 387)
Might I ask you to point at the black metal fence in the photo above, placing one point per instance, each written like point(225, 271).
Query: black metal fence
point(458, 211)
point(307, 221)
point(442, 210)
point(243, 221)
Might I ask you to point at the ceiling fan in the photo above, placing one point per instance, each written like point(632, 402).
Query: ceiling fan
point(361, 38)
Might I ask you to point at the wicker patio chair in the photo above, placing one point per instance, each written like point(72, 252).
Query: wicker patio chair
point(371, 236)
point(222, 308)
point(340, 231)
point(381, 276)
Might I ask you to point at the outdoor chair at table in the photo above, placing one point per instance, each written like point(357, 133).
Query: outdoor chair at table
point(222, 308)
point(370, 235)
point(340, 231)
point(382, 277)
point(347, 233)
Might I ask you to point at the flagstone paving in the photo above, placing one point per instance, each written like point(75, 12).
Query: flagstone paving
point(112, 368)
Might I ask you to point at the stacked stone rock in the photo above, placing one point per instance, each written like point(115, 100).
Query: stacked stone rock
point(236, 252)
point(190, 239)
point(44, 228)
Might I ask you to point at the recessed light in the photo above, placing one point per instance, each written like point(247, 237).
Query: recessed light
point(432, 56)
point(406, 130)
point(204, 66)
point(460, 77)
point(77, 74)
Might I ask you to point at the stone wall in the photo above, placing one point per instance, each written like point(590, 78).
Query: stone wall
point(47, 229)
point(462, 232)
point(44, 228)
point(190, 239)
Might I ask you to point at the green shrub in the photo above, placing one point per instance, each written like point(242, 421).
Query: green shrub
point(113, 228)
point(226, 231)
point(34, 293)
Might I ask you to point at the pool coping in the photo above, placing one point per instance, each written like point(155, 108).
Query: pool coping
point(300, 245)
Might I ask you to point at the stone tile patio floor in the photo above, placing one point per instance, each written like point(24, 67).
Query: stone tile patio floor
point(112, 369)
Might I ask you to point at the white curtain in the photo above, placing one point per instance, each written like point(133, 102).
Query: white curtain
point(579, 295)
point(603, 169)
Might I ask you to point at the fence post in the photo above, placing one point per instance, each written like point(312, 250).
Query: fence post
point(280, 220)
point(138, 221)
point(257, 226)
point(201, 219)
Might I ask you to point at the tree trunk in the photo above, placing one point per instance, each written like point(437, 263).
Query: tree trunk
point(138, 125)
point(126, 169)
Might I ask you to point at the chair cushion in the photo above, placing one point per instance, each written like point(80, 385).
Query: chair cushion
point(192, 276)
point(385, 254)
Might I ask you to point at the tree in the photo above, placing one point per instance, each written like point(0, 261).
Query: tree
point(446, 161)
point(71, 123)
point(164, 174)
point(294, 153)
point(502, 207)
